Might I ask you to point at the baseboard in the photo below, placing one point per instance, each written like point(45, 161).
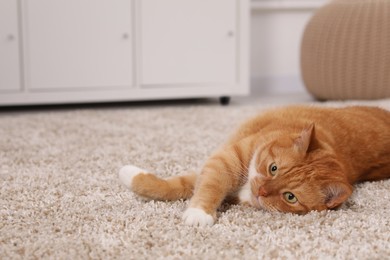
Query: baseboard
point(277, 85)
point(286, 4)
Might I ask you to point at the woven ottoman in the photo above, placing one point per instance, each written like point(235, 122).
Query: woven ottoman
point(345, 51)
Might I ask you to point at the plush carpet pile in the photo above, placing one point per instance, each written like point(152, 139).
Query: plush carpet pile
point(60, 197)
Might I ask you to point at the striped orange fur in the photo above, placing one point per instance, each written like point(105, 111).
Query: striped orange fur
point(294, 159)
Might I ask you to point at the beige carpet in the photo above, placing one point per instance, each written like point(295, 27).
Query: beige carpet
point(60, 197)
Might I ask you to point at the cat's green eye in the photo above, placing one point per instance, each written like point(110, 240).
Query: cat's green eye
point(273, 169)
point(290, 198)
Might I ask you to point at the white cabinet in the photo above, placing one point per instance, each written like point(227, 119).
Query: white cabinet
point(188, 41)
point(122, 50)
point(78, 43)
point(9, 46)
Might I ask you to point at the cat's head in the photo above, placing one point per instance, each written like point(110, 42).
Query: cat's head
point(291, 173)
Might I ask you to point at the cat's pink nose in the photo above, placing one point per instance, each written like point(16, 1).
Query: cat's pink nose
point(263, 192)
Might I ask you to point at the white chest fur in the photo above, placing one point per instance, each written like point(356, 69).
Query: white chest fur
point(245, 194)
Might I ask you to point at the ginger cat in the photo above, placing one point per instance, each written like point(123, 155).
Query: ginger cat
point(295, 159)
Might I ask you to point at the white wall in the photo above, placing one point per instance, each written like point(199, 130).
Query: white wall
point(276, 35)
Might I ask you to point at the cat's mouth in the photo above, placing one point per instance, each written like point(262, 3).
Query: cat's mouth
point(258, 203)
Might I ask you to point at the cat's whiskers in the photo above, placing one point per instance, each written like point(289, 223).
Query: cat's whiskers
point(242, 171)
point(266, 206)
point(242, 174)
point(273, 209)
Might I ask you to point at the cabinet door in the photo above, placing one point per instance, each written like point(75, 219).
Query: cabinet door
point(188, 41)
point(78, 43)
point(9, 46)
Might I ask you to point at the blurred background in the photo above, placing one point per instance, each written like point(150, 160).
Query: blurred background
point(277, 28)
point(55, 51)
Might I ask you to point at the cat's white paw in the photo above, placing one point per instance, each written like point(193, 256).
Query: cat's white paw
point(197, 217)
point(127, 174)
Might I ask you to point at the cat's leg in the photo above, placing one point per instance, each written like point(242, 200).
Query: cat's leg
point(211, 190)
point(150, 186)
point(223, 174)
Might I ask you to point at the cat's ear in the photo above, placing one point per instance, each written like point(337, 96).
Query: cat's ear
point(336, 193)
point(306, 137)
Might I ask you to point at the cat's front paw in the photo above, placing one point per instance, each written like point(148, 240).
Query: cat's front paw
point(127, 174)
point(197, 217)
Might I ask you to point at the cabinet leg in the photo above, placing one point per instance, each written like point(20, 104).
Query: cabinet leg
point(225, 100)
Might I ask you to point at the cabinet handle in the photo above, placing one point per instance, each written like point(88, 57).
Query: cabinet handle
point(125, 36)
point(11, 37)
point(230, 34)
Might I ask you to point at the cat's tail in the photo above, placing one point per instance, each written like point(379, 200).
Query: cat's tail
point(152, 187)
